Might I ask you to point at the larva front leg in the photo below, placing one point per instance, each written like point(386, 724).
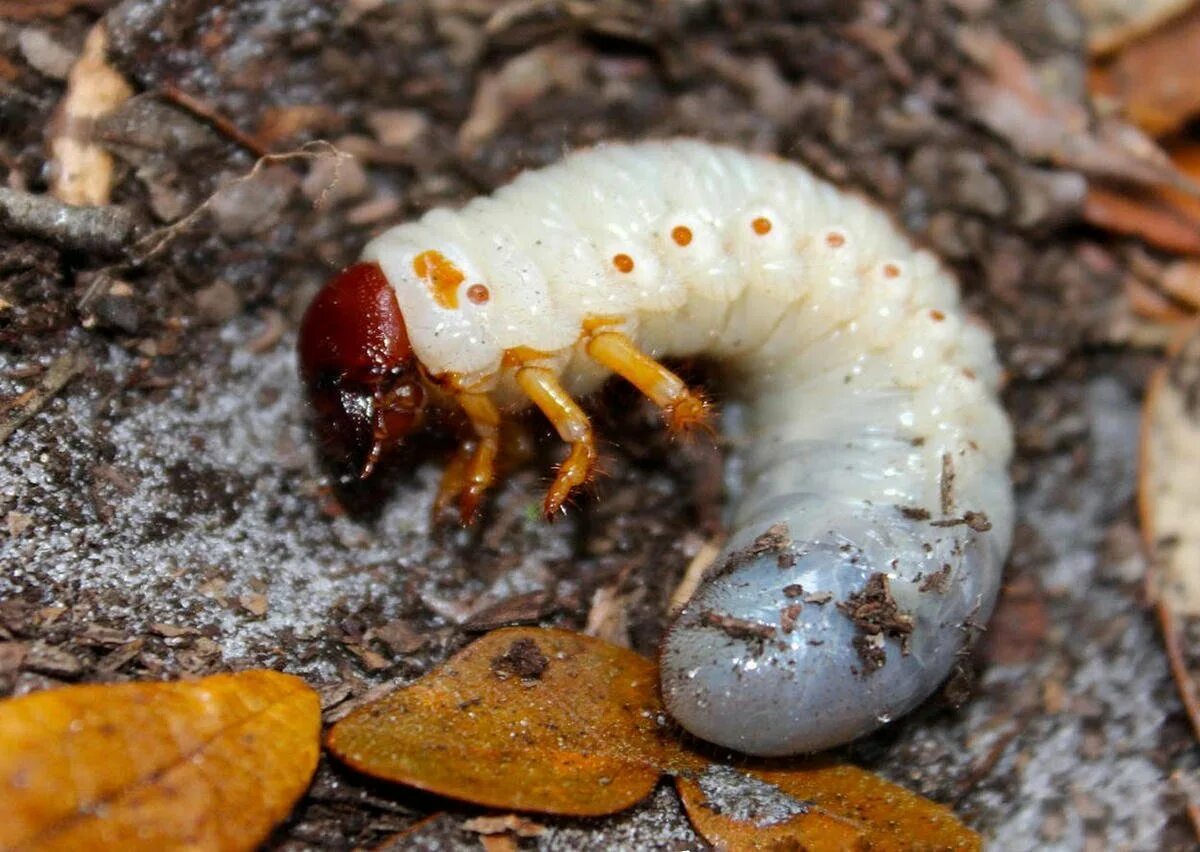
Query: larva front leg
point(682, 407)
point(543, 389)
point(471, 473)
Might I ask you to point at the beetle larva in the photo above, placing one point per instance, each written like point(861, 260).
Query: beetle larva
point(877, 510)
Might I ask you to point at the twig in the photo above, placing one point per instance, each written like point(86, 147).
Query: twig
point(61, 371)
point(983, 767)
point(701, 562)
point(208, 113)
point(156, 241)
point(96, 229)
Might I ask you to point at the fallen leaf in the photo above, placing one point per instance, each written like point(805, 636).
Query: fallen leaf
point(1009, 101)
point(1153, 304)
point(212, 764)
point(1153, 78)
point(523, 719)
point(1113, 23)
point(82, 169)
point(546, 720)
point(32, 10)
point(1168, 481)
point(816, 805)
point(1144, 214)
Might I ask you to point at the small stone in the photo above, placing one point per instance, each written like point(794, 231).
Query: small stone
point(49, 660)
point(218, 303)
point(17, 523)
point(254, 603)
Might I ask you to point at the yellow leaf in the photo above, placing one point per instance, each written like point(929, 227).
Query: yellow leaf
point(208, 764)
point(817, 805)
point(523, 719)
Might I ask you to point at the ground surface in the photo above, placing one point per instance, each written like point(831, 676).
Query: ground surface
point(164, 515)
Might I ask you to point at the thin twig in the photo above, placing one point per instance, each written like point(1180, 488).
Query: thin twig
point(209, 114)
point(61, 371)
point(154, 242)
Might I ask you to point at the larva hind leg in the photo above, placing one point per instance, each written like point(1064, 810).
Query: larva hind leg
point(543, 389)
point(682, 407)
point(473, 468)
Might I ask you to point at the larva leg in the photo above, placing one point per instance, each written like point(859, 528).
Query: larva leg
point(543, 389)
point(682, 407)
point(473, 468)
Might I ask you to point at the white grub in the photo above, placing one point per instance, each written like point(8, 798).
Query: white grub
point(874, 432)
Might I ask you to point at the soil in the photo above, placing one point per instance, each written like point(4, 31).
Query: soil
point(163, 512)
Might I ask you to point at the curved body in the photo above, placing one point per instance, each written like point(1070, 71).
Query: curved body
point(877, 510)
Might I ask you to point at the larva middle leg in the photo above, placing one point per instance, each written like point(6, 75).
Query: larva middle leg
point(473, 469)
point(542, 387)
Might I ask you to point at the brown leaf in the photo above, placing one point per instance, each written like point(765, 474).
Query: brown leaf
point(32, 10)
point(82, 169)
point(1154, 78)
point(816, 805)
point(1168, 481)
point(546, 720)
point(1112, 24)
point(523, 719)
point(1145, 214)
point(1010, 102)
point(214, 763)
point(1164, 217)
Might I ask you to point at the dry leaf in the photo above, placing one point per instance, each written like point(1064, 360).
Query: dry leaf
point(1113, 23)
point(1153, 304)
point(32, 10)
point(208, 764)
point(1168, 483)
point(81, 168)
point(816, 805)
point(1010, 102)
point(546, 720)
point(1154, 78)
point(523, 719)
point(1147, 215)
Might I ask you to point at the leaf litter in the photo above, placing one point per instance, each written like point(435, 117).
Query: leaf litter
point(214, 763)
point(544, 720)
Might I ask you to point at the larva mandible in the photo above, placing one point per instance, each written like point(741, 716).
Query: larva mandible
point(877, 511)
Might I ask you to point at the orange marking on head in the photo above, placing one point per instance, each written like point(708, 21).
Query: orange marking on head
point(623, 262)
point(835, 239)
point(442, 276)
point(681, 234)
point(936, 315)
point(891, 270)
point(761, 225)
point(478, 294)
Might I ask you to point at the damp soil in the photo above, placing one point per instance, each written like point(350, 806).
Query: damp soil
point(162, 513)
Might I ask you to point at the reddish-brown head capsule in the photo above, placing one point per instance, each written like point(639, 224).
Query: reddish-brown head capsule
point(359, 369)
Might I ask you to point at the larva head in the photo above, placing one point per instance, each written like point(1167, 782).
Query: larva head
point(359, 369)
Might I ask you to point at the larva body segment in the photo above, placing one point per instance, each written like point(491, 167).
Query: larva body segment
point(877, 511)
